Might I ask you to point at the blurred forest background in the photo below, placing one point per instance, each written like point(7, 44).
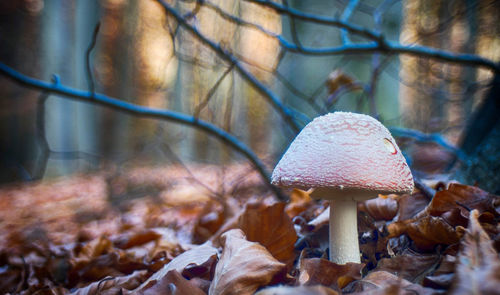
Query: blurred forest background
point(141, 55)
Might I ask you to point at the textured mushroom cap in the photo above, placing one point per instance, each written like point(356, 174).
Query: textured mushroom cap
point(344, 151)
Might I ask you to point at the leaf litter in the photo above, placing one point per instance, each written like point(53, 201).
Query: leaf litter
point(93, 234)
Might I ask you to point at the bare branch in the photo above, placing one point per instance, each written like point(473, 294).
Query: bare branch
point(423, 137)
point(358, 30)
point(380, 43)
point(141, 111)
point(288, 115)
point(210, 93)
point(345, 17)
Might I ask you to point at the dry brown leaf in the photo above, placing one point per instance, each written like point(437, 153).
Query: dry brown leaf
point(426, 231)
point(201, 255)
point(318, 271)
point(209, 222)
point(443, 277)
point(478, 266)
point(171, 284)
point(384, 283)
point(299, 202)
point(410, 205)
point(381, 208)
point(126, 282)
point(410, 265)
point(243, 266)
point(270, 226)
point(463, 197)
point(338, 79)
point(90, 251)
point(126, 241)
point(299, 290)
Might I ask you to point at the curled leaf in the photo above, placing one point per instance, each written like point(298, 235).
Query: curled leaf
point(243, 266)
point(426, 231)
point(381, 208)
point(299, 290)
point(271, 227)
point(478, 266)
point(384, 283)
point(411, 266)
point(126, 282)
point(320, 271)
point(463, 197)
point(170, 284)
point(203, 255)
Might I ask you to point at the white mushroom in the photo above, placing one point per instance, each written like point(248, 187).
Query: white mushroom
point(346, 158)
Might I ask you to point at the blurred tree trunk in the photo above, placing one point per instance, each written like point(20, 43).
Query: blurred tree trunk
point(20, 35)
point(59, 31)
point(421, 94)
point(114, 72)
point(155, 70)
point(481, 139)
point(260, 53)
point(200, 71)
point(439, 97)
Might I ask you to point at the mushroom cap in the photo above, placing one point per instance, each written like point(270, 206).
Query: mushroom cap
point(344, 152)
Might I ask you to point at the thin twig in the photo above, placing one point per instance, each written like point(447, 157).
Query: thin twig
point(423, 137)
point(210, 93)
point(380, 45)
point(88, 67)
point(141, 111)
point(293, 28)
point(345, 17)
point(41, 137)
point(286, 113)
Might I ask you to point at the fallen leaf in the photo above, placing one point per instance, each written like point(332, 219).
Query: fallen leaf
point(384, 283)
point(299, 202)
point(243, 266)
point(338, 79)
point(318, 271)
point(381, 208)
point(126, 282)
point(299, 290)
point(463, 197)
point(478, 266)
point(426, 231)
point(203, 255)
point(411, 266)
point(443, 277)
point(171, 284)
point(410, 205)
point(212, 218)
point(126, 241)
point(270, 226)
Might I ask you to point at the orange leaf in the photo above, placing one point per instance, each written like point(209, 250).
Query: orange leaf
point(271, 227)
point(338, 79)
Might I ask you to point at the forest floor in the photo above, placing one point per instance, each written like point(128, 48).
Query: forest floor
point(212, 230)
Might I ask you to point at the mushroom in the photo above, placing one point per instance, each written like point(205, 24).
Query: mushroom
point(346, 158)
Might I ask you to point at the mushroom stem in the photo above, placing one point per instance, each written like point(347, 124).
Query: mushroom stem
point(344, 244)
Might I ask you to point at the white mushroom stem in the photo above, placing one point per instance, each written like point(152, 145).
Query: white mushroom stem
point(344, 244)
